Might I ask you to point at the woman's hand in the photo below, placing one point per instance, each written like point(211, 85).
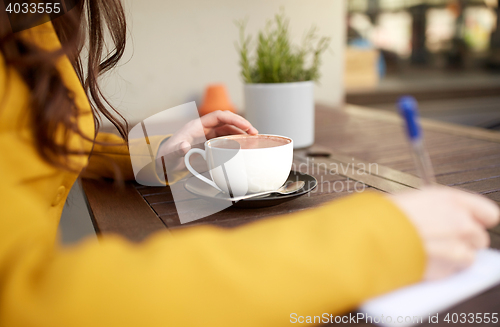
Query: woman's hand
point(214, 124)
point(452, 225)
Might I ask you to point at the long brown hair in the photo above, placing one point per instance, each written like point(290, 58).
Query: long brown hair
point(51, 102)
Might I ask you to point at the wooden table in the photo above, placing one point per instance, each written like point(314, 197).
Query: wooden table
point(463, 157)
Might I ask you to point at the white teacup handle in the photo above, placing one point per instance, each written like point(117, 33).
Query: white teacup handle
point(194, 172)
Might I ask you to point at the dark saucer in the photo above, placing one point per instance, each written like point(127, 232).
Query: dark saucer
point(207, 192)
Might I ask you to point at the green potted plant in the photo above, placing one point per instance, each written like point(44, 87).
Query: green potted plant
point(279, 79)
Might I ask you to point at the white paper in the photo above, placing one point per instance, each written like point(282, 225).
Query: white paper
point(428, 298)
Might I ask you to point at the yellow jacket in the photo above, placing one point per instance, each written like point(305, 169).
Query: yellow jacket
point(324, 260)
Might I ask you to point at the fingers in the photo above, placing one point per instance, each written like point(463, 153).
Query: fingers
point(219, 118)
point(449, 257)
point(224, 130)
point(485, 211)
point(176, 151)
point(182, 148)
point(453, 252)
point(452, 225)
point(228, 130)
point(478, 238)
point(473, 233)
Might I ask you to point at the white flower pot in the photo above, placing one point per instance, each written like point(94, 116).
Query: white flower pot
point(285, 109)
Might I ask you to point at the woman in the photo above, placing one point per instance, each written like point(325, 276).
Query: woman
point(327, 259)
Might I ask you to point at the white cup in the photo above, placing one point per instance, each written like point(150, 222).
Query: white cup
point(240, 171)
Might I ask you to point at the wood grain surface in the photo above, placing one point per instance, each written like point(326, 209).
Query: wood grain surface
point(466, 158)
point(120, 210)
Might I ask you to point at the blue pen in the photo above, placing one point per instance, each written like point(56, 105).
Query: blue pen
point(408, 108)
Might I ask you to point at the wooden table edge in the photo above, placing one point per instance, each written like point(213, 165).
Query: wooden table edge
point(450, 128)
point(127, 218)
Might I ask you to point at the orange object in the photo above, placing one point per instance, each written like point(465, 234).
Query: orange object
point(216, 98)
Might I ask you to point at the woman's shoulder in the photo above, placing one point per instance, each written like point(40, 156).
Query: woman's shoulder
point(14, 98)
point(43, 35)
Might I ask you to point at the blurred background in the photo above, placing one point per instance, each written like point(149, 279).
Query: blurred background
point(444, 52)
point(177, 48)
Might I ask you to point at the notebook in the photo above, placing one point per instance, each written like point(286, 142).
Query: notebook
point(406, 305)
